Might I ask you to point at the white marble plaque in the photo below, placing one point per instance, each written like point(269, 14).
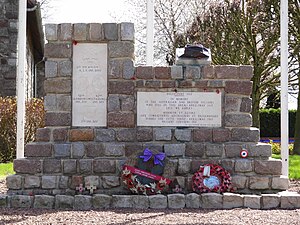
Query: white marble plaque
point(196, 109)
point(89, 84)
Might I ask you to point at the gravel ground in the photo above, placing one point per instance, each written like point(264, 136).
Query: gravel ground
point(145, 217)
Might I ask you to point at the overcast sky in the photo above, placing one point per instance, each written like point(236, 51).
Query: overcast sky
point(87, 11)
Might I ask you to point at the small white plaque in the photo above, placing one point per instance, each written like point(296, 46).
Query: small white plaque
point(89, 84)
point(198, 109)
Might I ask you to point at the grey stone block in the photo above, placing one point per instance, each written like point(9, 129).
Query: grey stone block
point(113, 103)
point(92, 181)
point(174, 149)
point(51, 32)
point(51, 69)
point(238, 120)
point(82, 202)
point(126, 135)
point(96, 32)
point(65, 68)
point(214, 150)
point(49, 182)
point(110, 31)
point(3, 201)
point(252, 201)
point(127, 103)
point(80, 31)
point(268, 167)
point(85, 166)
point(20, 201)
point(211, 201)
point(110, 181)
point(183, 135)
point(239, 182)
point(112, 149)
point(121, 49)
point(158, 202)
point(176, 201)
point(127, 31)
point(104, 166)
point(192, 72)
point(289, 200)
point(232, 103)
point(144, 134)
point(260, 150)
point(184, 166)
point(70, 166)
point(64, 202)
point(176, 72)
point(101, 201)
point(66, 31)
point(140, 202)
point(243, 165)
point(63, 182)
point(259, 183)
point(62, 150)
point(245, 134)
point(195, 149)
point(14, 182)
point(280, 183)
point(43, 202)
point(128, 69)
point(233, 150)
point(231, 200)
point(105, 135)
point(122, 201)
point(32, 182)
point(77, 150)
point(162, 134)
point(192, 201)
point(52, 166)
point(270, 201)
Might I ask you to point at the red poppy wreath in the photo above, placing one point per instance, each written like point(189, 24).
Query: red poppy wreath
point(146, 178)
point(211, 178)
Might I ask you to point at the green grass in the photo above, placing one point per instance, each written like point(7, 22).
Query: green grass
point(6, 169)
point(294, 165)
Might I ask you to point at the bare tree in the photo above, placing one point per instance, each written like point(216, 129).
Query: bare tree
point(244, 32)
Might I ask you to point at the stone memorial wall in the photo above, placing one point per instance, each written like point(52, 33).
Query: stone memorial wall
point(102, 110)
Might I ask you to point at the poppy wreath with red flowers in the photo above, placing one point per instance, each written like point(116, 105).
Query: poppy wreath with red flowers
point(219, 180)
point(135, 186)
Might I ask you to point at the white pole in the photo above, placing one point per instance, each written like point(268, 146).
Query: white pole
point(150, 33)
point(21, 49)
point(284, 87)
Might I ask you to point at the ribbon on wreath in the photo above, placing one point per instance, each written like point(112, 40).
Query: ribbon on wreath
point(158, 158)
point(146, 174)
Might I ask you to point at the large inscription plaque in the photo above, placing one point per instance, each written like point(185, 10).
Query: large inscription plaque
point(199, 109)
point(89, 84)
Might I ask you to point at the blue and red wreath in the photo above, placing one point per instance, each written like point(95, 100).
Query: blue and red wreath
point(216, 180)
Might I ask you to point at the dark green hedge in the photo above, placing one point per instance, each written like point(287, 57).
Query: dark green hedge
point(270, 122)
